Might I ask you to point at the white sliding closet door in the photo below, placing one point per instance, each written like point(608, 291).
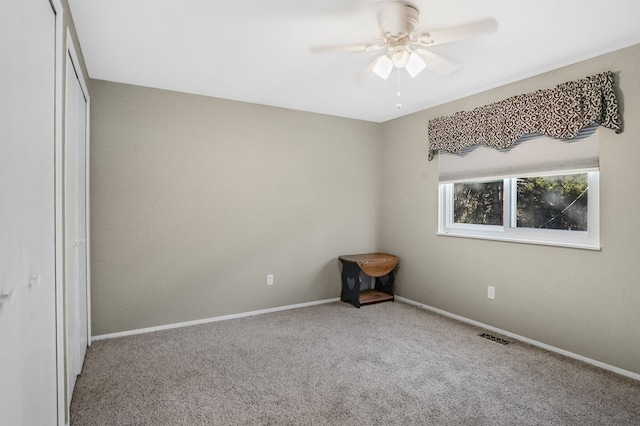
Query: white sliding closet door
point(28, 382)
point(76, 224)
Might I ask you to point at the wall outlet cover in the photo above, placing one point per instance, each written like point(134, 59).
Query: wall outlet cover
point(491, 292)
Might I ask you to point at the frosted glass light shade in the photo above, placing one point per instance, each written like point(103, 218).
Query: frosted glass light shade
point(383, 67)
point(400, 58)
point(415, 65)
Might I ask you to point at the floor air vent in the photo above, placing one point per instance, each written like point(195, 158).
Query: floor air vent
point(494, 338)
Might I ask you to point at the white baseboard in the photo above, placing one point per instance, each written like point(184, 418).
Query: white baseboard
point(532, 342)
point(213, 319)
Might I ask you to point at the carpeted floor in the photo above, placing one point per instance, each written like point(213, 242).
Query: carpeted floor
point(384, 364)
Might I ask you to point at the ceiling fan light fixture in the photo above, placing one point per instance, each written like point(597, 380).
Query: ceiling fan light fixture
point(383, 67)
point(400, 58)
point(415, 65)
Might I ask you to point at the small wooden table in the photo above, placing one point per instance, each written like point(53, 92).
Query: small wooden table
point(381, 266)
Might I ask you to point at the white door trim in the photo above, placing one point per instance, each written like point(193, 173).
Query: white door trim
point(71, 49)
point(59, 201)
point(74, 73)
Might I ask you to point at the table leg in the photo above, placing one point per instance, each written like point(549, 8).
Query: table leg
point(385, 283)
point(351, 284)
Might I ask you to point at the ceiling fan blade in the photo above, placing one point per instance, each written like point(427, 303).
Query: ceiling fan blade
point(368, 70)
point(460, 32)
point(437, 64)
point(349, 48)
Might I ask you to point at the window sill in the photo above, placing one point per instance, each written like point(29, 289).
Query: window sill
point(576, 245)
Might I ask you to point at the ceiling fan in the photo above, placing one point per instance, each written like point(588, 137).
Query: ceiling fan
point(403, 47)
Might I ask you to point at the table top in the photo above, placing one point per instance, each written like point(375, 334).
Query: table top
point(372, 264)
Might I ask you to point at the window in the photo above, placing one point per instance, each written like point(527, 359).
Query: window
point(552, 202)
point(528, 199)
point(478, 203)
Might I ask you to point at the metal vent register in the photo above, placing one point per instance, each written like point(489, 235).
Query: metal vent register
point(494, 338)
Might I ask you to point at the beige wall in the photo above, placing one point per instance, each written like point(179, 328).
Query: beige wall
point(586, 302)
point(195, 200)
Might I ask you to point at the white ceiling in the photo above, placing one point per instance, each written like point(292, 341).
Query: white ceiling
point(259, 50)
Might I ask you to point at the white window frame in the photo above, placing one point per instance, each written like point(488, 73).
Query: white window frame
point(589, 239)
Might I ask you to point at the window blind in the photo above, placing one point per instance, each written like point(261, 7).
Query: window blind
point(533, 154)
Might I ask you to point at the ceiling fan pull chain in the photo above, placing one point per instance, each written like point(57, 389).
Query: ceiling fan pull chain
point(398, 104)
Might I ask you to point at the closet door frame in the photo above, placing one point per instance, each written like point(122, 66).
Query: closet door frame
point(63, 415)
point(75, 73)
point(63, 47)
point(85, 90)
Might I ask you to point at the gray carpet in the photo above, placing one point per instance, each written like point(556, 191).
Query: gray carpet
point(384, 364)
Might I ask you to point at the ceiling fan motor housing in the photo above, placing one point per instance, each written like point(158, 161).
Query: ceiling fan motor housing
point(398, 20)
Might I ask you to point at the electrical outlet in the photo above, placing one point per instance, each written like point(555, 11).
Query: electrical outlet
point(491, 292)
point(270, 279)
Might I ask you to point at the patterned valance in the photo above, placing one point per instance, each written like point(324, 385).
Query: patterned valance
point(560, 112)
